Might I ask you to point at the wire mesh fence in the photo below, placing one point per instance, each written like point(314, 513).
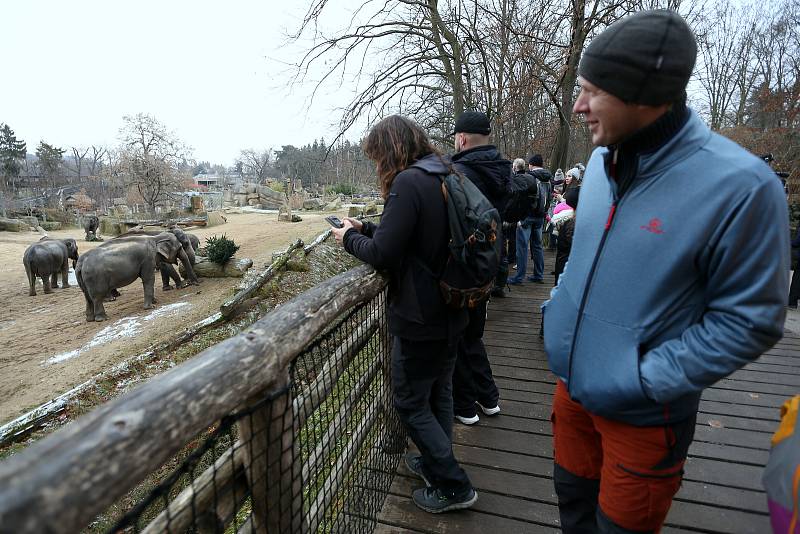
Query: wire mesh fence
point(315, 453)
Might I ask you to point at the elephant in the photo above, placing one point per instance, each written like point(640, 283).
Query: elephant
point(90, 227)
point(120, 262)
point(45, 259)
point(168, 271)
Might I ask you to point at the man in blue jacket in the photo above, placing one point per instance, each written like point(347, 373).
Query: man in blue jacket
point(661, 297)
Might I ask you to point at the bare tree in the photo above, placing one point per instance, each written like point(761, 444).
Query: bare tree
point(78, 155)
point(96, 161)
point(152, 158)
point(256, 163)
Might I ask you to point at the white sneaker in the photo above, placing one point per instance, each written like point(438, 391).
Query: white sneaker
point(468, 420)
point(489, 411)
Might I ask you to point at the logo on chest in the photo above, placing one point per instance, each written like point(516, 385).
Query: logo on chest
point(654, 226)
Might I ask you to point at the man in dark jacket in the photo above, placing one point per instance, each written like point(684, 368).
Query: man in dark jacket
point(482, 163)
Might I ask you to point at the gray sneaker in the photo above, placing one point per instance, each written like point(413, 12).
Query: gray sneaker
point(414, 464)
point(432, 500)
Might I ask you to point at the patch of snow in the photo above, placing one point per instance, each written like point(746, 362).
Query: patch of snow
point(71, 278)
point(125, 327)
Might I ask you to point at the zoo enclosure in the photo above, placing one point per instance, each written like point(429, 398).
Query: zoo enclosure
point(286, 427)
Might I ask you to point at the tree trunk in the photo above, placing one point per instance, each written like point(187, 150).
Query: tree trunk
point(558, 157)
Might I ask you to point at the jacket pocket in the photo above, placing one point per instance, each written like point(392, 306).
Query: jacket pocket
point(559, 315)
point(605, 369)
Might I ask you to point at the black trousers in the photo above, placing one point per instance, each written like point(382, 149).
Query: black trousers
point(422, 374)
point(510, 243)
point(794, 288)
point(473, 380)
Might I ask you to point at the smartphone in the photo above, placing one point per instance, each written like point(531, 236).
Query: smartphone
point(334, 221)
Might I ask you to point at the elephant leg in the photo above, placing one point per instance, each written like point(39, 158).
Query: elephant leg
point(165, 278)
point(148, 282)
point(54, 280)
point(65, 274)
point(99, 309)
point(46, 283)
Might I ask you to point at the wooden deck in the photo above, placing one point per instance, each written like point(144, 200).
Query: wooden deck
point(509, 457)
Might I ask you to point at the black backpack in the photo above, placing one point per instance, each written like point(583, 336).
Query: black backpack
point(545, 193)
point(522, 197)
point(474, 256)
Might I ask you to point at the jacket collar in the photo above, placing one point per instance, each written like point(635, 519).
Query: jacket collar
point(688, 140)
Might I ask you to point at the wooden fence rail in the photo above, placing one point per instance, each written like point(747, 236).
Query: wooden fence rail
point(62, 482)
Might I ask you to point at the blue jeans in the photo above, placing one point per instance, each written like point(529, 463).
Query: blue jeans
point(531, 229)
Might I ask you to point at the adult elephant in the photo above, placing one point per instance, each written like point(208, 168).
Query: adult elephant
point(45, 259)
point(120, 262)
point(168, 271)
point(90, 226)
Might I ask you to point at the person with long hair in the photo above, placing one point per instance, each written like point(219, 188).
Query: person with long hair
point(411, 243)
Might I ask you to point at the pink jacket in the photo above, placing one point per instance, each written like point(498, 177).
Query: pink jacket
point(561, 206)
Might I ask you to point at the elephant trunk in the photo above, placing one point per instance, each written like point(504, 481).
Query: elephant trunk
point(187, 265)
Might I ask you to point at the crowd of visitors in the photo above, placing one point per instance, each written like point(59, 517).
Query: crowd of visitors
point(655, 298)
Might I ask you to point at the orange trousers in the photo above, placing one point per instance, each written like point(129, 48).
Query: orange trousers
point(612, 476)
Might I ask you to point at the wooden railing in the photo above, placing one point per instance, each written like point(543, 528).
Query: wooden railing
point(282, 428)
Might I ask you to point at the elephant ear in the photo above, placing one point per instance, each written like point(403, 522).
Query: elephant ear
point(165, 249)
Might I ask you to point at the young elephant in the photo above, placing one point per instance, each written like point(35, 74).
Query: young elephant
point(167, 270)
point(120, 262)
point(90, 227)
point(45, 259)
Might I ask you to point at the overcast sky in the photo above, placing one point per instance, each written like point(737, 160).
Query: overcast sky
point(209, 70)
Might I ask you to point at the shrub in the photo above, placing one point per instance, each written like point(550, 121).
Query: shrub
point(220, 249)
point(342, 189)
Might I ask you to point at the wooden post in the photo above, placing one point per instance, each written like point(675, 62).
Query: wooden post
point(269, 461)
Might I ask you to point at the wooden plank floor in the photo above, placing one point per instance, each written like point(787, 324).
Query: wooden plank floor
point(509, 457)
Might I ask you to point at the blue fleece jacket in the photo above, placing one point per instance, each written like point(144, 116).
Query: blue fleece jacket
point(674, 286)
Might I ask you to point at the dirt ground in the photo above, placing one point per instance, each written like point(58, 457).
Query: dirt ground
point(46, 345)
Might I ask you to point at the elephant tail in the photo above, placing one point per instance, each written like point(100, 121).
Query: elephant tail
point(29, 271)
point(81, 284)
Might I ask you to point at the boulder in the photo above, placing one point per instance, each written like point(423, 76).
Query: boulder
point(30, 220)
point(233, 268)
point(252, 201)
point(335, 204)
point(215, 218)
point(240, 199)
point(313, 204)
point(371, 209)
point(110, 226)
point(271, 204)
point(268, 192)
point(354, 211)
point(13, 225)
point(252, 196)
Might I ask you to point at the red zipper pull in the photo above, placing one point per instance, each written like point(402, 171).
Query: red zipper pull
point(611, 213)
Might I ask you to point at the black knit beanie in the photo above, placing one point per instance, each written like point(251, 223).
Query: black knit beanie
point(645, 58)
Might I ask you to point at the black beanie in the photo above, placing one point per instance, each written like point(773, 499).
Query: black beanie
point(645, 58)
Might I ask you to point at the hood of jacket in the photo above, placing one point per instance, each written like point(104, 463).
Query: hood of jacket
point(543, 175)
point(487, 169)
point(433, 163)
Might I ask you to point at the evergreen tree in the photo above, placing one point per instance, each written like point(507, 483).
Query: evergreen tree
point(11, 151)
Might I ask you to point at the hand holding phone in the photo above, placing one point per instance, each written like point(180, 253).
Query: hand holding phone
point(334, 221)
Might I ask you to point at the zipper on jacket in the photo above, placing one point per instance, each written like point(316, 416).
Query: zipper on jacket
point(609, 221)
